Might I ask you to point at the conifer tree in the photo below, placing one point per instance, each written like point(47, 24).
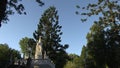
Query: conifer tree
point(50, 30)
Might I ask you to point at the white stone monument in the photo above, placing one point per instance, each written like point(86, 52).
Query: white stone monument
point(40, 62)
point(38, 51)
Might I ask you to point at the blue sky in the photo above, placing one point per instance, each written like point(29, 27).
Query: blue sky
point(74, 31)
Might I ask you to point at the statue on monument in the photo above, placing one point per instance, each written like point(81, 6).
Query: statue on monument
point(41, 59)
point(39, 49)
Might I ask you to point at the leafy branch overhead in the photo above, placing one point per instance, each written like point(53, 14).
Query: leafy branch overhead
point(108, 11)
point(9, 7)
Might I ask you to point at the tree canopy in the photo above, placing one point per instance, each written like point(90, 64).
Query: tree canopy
point(8, 55)
point(73, 62)
point(25, 44)
point(50, 31)
point(102, 40)
point(108, 11)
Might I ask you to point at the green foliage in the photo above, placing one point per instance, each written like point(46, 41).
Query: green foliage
point(108, 10)
point(103, 44)
point(70, 64)
point(74, 62)
point(113, 44)
point(6, 9)
point(9, 7)
point(25, 44)
point(8, 55)
point(40, 2)
point(96, 45)
point(50, 30)
point(83, 57)
point(103, 39)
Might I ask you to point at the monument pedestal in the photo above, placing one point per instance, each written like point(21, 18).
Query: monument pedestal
point(43, 63)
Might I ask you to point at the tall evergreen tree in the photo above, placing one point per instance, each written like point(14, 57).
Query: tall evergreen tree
point(50, 30)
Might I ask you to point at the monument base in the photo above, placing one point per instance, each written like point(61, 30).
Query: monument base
point(43, 63)
point(43, 66)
